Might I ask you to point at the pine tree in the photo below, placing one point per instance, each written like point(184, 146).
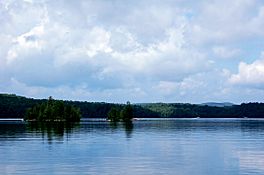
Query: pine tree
point(127, 112)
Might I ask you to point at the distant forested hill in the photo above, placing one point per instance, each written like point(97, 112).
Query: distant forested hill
point(13, 106)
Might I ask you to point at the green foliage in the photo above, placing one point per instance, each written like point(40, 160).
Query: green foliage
point(125, 115)
point(163, 109)
point(53, 110)
point(13, 106)
point(114, 115)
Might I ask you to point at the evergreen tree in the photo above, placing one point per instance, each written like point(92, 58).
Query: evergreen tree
point(125, 115)
point(127, 112)
point(53, 110)
point(113, 115)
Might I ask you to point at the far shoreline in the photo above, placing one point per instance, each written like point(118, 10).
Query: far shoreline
point(137, 119)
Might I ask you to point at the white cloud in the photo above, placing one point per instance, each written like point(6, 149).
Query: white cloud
point(99, 41)
point(29, 1)
point(222, 22)
point(170, 88)
point(225, 53)
point(144, 50)
point(25, 43)
point(95, 52)
point(168, 59)
point(251, 75)
point(201, 87)
point(257, 23)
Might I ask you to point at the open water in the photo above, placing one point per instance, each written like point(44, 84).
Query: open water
point(182, 146)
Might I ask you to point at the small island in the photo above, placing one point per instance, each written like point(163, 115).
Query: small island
point(53, 111)
point(125, 114)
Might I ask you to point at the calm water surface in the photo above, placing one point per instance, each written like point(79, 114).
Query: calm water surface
point(184, 147)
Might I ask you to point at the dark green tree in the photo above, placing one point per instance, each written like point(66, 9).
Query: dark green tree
point(127, 113)
point(53, 110)
point(114, 115)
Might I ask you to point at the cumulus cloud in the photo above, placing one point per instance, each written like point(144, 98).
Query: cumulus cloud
point(94, 51)
point(250, 74)
point(140, 50)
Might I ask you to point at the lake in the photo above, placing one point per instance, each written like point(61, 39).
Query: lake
point(147, 147)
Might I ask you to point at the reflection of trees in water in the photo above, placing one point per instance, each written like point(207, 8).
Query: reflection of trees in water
point(14, 129)
point(128, 126)
point(52, 130)
point(252, 126)
point(114, 125)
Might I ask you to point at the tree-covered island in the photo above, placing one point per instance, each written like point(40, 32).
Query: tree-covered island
point(125, 114)
point(53, 110)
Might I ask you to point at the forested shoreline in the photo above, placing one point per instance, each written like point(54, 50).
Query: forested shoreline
point(13, 106)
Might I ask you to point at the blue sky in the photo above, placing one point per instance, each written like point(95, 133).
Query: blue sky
point(142, 51)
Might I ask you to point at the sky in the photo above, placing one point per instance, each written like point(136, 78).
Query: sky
point(183, 51)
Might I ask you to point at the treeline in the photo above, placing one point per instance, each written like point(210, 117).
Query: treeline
point(179, 110)
point(12, 106)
